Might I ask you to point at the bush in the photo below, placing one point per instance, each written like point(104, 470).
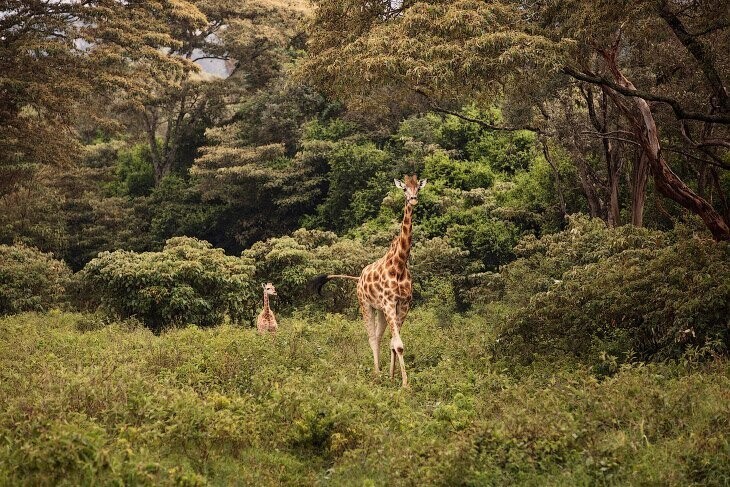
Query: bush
point(350, 199)
point(457, 174)
point(135, 173)
point(30, 280)
point(187, 282)
point(290, 262)
point(627, 293)
point(439, 269)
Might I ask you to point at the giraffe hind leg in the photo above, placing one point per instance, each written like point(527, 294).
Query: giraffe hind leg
point(368, 316)
point(392, 363)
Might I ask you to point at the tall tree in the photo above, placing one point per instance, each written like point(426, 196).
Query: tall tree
point(247, 41)
point(438, 55)
point(56, 54)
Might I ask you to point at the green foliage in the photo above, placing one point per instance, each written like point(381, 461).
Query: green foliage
point(290, 262)
point(225, 405)
point(532, 200)
point(629, 293)
point(48, 82)
point(176, 208)
point(30, 214)
point(460, 50)
point(351, 197)
point(507, 153)
point(187, 282)
point(457, 174)
point(331, 130)
point(30, 280)
point(277, 115)
point(135, 174)
point(438, 269)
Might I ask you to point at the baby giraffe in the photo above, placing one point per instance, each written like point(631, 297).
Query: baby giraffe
point(267, 320)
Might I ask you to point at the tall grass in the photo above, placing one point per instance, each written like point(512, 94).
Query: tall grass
point(86, 402)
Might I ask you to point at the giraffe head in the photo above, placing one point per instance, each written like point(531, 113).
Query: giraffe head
point(269, 289)
point(411, 186)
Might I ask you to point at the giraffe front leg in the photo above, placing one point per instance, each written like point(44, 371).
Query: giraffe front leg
point(392, 362)
point(375, 347)
point(404, 375)
point(396, 346)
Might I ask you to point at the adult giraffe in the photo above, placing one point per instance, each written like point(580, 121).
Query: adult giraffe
point(384, 288)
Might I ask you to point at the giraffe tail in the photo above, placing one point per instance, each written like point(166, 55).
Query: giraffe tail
point(317, 282)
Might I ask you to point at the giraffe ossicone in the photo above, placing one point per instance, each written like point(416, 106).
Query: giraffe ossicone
point(385, 289)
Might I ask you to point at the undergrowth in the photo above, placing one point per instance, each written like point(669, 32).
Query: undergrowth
point(88, 402)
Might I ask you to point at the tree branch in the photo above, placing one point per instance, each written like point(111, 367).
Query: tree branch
point(677, 150)
point(700, 53)
point(679, 112)
point(608, 135)
point(481, 123)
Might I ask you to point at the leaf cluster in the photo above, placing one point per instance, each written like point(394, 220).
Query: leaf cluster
point(187, 282)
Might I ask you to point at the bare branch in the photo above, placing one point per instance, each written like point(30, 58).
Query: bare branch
point(677, 150)
point(608, 135)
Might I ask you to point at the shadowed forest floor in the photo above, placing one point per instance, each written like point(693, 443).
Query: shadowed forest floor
point(87, 402)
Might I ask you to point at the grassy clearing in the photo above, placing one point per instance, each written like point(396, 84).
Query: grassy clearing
point(89, 403)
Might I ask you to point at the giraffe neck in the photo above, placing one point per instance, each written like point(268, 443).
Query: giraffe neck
point(401, 248)
point(266, 302)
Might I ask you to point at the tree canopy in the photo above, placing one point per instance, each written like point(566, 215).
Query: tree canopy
point(538, 58)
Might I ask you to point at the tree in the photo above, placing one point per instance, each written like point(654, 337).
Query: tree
point(55, 54)
point(439, 55)
point(250, 37)
point(256, 168)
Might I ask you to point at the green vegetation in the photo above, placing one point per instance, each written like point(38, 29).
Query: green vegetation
point(188, 282)
point(160, 160)
point(91, 402)
point(30, 280)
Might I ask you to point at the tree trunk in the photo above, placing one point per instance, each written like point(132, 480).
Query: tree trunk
point(611, 156)
point(614, 173)
point(556, 172)
point(665, 180)
point(595, 208)
point(639, 178)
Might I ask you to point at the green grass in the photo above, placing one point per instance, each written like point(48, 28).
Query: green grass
point(85, 403)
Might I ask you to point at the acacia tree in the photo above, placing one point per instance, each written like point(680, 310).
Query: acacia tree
point(438, 55)
point(250, 37)
point(254, 168)
point(55, 55)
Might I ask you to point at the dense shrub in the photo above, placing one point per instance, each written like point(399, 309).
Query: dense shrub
point(457, 174)
point(187, 282)
point(30, 280)
point(175, 208)
point(350, 200)
point(290, 262)
point(626, 292)
point(135, 174)
point(438, 269)
point(467, 219)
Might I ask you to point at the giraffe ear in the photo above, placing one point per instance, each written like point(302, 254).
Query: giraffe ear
point(399, 183)
point(263, 285)
point(422, 183)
